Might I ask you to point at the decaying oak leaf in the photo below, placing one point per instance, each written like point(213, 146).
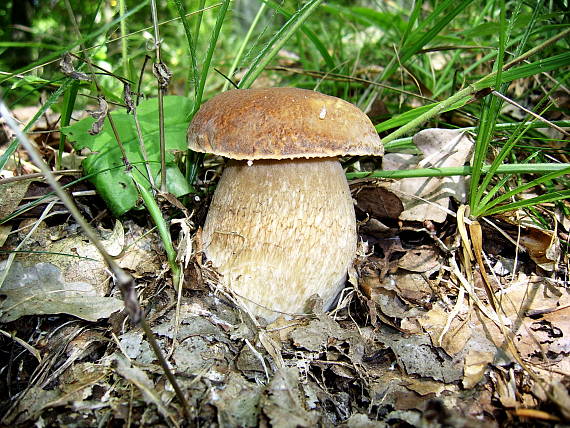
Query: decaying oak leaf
point(456, 336)
point(40, 289)
point(237, 402)
point(76, 257)
point(282, 402)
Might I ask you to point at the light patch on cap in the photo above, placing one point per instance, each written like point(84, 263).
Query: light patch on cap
point(249, 162)
point(323, 112)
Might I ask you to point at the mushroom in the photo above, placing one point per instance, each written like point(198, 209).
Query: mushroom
point(281, 226)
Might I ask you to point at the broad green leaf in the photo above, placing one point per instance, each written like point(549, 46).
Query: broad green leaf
point(114, 184)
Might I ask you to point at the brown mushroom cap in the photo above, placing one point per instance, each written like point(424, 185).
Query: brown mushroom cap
point(281, 123)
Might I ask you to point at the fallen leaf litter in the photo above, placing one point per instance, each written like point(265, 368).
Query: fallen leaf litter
point(412, 343)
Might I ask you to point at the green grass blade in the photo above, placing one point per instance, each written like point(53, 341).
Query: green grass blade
point(244, 43)
point(421, 38)
point(487, 123)
point(51, 47)
point(502, 182)
point(191, 45)
point(549, 197)
point(201, 7)
point(310, 34)
point(536, 182)
point(535, 168)
point(412, 21)
point(209, 54)
point(277, 42)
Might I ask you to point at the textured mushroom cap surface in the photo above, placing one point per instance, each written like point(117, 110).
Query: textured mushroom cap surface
point(280, 232)
point(281, 123)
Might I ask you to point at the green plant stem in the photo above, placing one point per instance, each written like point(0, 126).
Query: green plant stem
point(407, 142)
point(161, 90)
point(162, 227)
point(436, 110)
point(536, 168)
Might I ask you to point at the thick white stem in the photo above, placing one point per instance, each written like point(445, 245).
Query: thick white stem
point(282, 231)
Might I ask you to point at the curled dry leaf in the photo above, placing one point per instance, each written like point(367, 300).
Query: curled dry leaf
point(428, 198)
point(543, 247)
point(99, 115)
point(67, 68)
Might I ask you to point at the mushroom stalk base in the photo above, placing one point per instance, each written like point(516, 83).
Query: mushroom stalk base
point(280, 232)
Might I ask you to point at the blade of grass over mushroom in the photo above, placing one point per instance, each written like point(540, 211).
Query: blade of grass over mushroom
point(244, 43)
point(329, 61)
point(75, 43)
point(210, 52)
point(191, 46)
point(277, 42)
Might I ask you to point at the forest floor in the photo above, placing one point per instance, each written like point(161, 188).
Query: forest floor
point(436, 327)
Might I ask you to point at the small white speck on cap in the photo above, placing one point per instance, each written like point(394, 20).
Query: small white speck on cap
point(249, 162)
point(323, 112)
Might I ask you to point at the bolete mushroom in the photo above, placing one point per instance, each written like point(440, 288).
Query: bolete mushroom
point(281, 226)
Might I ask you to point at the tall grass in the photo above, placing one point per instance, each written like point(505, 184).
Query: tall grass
point(451, 54)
